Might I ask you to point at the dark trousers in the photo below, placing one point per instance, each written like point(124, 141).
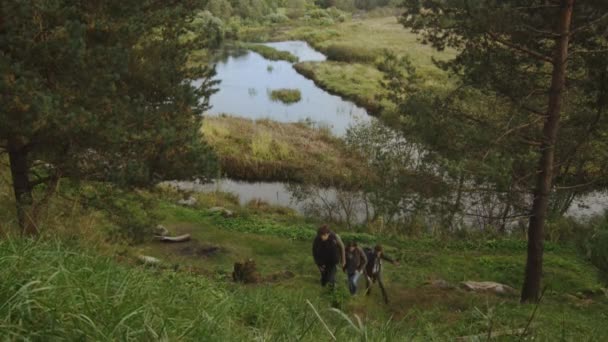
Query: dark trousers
point(376, 277)
point(328, 275)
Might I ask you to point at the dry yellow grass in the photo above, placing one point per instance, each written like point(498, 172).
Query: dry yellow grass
point(266, 150)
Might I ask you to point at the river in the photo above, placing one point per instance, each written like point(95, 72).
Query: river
point(247, 78)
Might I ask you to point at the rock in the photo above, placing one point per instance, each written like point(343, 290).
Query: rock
point(487, 286)
point(161, 230)
point(225, 212)
point(148, 260)
point(246, 272)
point(189, 202)
point(181, 238)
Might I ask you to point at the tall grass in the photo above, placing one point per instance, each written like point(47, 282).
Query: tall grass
point(268, 150)
point(53, 291)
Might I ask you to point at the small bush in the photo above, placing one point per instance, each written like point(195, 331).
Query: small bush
point(287, 96)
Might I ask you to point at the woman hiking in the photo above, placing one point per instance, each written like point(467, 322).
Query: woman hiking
point(355, 265)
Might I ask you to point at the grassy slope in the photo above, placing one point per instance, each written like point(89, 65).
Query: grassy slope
point(268, 150)
point(56, 289)
point(61, 290)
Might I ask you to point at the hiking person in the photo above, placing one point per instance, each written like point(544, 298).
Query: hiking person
point(328, 251)
point(374, 268)
point(355, 265)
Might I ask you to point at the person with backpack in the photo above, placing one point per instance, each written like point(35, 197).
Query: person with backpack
point(374, 268)
point(355, 265)
point(328, 251)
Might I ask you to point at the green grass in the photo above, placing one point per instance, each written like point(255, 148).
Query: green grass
point(287, 96)
point(52, 290)
point(354, 48)
point(271, 53)
point(357, 82)
point(268, 150)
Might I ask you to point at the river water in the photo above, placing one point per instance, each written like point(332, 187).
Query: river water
point(246, 80)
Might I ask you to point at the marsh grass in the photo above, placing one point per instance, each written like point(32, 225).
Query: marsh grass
point(286, 96)
point(268, 150)
point(271, 53)
point(356, 82)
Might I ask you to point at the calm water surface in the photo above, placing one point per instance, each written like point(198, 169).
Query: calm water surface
point(247, 79)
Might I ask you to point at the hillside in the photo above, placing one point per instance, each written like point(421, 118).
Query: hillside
point(70, 291)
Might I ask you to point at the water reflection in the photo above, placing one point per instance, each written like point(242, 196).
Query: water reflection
point(246, 77)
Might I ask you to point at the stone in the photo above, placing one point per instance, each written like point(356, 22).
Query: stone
point(189, 202)
point(225, 212)
point(487, 286)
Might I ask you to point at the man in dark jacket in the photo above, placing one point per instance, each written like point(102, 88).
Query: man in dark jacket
point(355, 265)
point(374, 268)
point(328, 251)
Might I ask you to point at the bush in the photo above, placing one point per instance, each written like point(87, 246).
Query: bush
point(276, 18)
point(599, 250)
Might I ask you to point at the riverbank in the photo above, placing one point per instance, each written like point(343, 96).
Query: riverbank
point(265, 150)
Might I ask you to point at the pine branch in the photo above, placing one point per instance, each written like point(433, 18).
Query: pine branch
point(522, 49)
point(588, 25)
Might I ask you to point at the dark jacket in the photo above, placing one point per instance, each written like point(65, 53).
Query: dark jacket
point(374, 264)
point(329, 252)
point(355, 260)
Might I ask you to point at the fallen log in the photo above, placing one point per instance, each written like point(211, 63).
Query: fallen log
point(181, 238)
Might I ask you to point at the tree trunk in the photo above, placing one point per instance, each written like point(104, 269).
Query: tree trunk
point(534, 264)
point(21, 186)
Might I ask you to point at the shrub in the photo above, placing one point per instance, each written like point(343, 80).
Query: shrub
point(287, 96)
point(599, 250)
point(276, 18)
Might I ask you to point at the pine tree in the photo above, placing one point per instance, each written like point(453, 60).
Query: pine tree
point(540, 62)
point(99, 90)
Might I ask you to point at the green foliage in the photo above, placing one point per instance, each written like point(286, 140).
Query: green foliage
point(102, 92)
point(287, 96)
point(205, 24)
point(271, 53)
